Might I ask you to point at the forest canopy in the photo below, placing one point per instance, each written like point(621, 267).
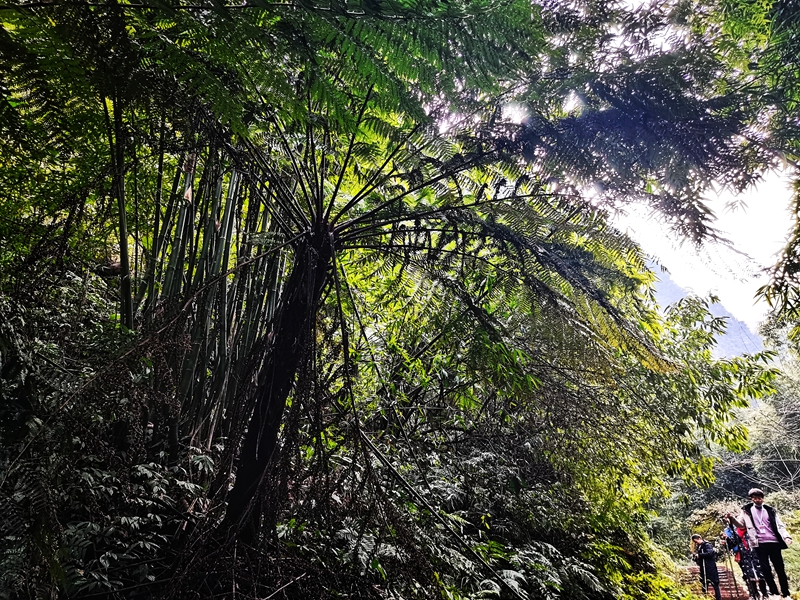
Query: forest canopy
point(293, 305)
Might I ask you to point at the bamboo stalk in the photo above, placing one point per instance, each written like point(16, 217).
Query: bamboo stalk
point(208, 323)
point(172, 283)
point(160, 254)
point(200, 201)
point(150, 275)
point(119, 174)
point(135, 221)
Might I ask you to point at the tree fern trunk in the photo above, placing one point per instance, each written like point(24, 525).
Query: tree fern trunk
point(291, 339)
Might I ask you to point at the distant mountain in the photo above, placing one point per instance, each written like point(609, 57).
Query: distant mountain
point(737, 340)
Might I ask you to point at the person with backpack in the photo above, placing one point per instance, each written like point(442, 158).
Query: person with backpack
point(735, 539)
point(767, 535)
point(706, 558)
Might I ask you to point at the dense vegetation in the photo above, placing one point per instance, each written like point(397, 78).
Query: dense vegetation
point(292, 305)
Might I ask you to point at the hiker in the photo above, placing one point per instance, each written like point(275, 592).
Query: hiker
point(767, 535)
point(735, 538)
point(705, 556)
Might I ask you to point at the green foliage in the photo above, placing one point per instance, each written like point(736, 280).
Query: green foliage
point(84, 515)
point(788, 503)
point(760, 41)
point(662, 584)
point(341, 249)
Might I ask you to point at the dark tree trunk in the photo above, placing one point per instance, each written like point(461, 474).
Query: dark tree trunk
point(291, 339)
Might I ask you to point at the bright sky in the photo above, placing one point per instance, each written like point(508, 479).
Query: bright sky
point(757, 227)
point(757, 224)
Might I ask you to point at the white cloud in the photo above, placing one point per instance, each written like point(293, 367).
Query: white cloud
point(757, 228)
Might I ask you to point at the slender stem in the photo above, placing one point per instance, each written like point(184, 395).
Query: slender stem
point(367, 215)
point(150, 276)
point(286, 199)
point(135, 218)
point(301, 176)
point(118, 157)
point(311, 159)
point(346, 160)
point(368, 185)
point(362, 231)
point(277, 215)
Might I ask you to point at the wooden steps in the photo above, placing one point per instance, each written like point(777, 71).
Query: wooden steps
point(730, 586)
